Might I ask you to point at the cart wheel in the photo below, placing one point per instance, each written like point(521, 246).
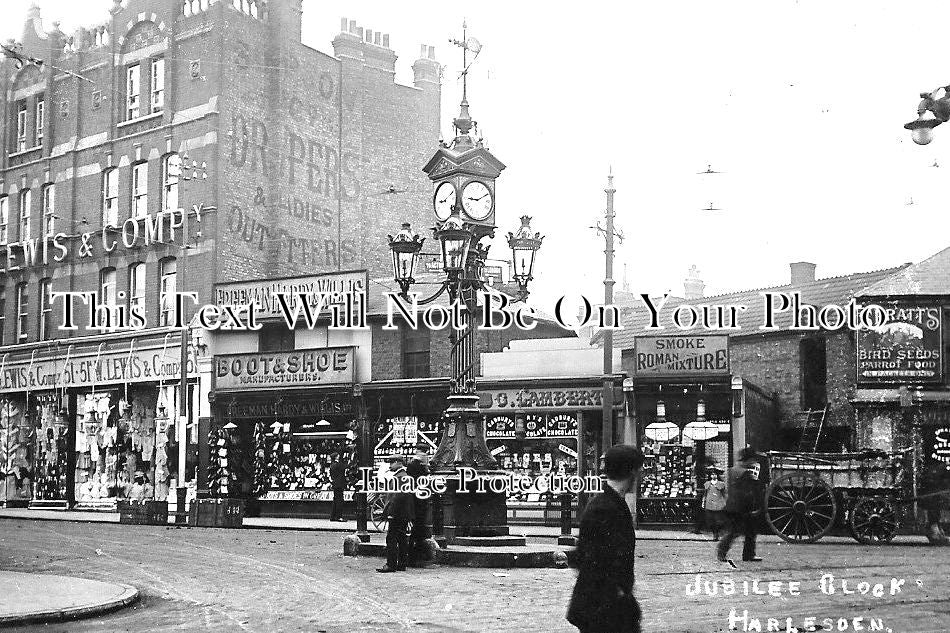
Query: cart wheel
point(873, 520)
point(800, 507)
point(376, 507)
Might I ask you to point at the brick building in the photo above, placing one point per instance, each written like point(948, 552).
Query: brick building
point(809, 373)
point(297, 160)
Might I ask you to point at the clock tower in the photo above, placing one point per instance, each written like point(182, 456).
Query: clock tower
point(464, 173)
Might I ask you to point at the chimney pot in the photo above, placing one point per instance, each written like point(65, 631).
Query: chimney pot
point(342, 25)
point(432, 52)
point(369, 35)
point(693, 286)
point(377, 38)
point(386, 40)
point(802, 272)
point(352, 26)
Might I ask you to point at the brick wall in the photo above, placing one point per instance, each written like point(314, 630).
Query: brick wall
point(773, 363)
point(297, 202)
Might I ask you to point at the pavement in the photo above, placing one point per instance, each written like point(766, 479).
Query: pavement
point(644, 533)
point(250, 580)
point(28, 597)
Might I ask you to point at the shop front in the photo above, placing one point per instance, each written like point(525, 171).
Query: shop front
point(692, 416)
point(541, 427)
point(88, 423)
point(902, 399)
point(280, 420)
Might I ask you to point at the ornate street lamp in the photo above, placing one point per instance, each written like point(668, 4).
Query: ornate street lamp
point(455, 240)
point(524, 246)
point(405, 246)
point(933, 110)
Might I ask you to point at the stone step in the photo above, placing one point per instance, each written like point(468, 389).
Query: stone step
point(490, 541)
point(479, 556)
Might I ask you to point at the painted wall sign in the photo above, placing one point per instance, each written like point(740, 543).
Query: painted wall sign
point(321, 290)
point(303, 495)
point(86, 370)
point(905, 348)
point(281, 370)
point(543, 397)
point(304, 408)
point(656, 356)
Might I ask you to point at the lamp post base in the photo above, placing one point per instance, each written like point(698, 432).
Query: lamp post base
point(472, 510)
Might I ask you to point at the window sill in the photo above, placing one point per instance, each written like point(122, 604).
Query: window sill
point(147, 117)
point(26, 151)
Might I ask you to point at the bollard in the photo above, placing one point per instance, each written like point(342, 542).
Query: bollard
point(438, 528)
point(180, 494)
point(566, 521)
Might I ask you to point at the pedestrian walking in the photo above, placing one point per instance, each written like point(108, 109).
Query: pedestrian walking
point(714, 502)
point(399, 511)
point(420, 532)
point(338, 482)
point(743, 505)
point(935, 491)
point(603, 601)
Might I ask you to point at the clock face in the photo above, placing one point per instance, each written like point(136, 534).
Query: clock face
point(444, 200)
point(477, 200)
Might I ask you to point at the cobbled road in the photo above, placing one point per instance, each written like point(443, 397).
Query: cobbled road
point(202, 579)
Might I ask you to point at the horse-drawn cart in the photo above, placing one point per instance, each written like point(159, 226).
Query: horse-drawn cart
point(810, 494)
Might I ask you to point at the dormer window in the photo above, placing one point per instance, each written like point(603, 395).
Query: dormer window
point(158, 84)
point(40, 119)
point(21, 126)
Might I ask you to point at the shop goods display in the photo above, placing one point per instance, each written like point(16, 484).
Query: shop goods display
point(51, 453)
point(16, 440)
point(668, 472)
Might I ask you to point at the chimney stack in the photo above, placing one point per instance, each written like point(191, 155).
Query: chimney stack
point(802, 273)
point(693, 286)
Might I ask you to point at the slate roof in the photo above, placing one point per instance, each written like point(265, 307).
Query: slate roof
point(831, 290)
point(929, 277)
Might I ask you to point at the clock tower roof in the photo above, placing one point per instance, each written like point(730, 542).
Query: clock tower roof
point(472, 160)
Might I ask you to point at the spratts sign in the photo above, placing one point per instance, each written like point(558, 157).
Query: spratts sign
point(655, 356)
point(904, 348)
point(282, 370)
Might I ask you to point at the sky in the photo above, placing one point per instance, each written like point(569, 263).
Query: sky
point(800, 105)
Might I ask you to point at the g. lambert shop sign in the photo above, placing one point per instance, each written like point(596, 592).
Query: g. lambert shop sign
point(560, 398)
point(282, 370)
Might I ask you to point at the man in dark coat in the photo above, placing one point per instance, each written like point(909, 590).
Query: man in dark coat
point(603, 600)
point(744, 496)
point(399, 511)
point(338, 481)
point(935, 488)
point(419, 534)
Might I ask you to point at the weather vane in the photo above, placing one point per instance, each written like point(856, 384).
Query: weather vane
point(464, 121)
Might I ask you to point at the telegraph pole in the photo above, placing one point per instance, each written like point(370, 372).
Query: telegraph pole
point(608, 393)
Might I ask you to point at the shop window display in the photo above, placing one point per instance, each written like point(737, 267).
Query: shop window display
point(117, 438)
point(51, 453)
point(405, 436)
point(534, 445)
point(16, 442)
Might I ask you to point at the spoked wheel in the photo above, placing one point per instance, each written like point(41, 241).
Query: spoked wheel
point(376, 506)
point(800, 507)
point(873, 521)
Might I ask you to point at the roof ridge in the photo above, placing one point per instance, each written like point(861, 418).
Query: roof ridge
point(892, 269)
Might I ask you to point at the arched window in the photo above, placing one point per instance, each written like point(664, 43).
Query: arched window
point(46, 309)
point(26, 201)
point(139, 200)
point(22, 313)
point(49, 210)
point(167, 286)
point(171, 175)
point(107, 298)
point(4, 218)
point(137, 288)
point(110, 197)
